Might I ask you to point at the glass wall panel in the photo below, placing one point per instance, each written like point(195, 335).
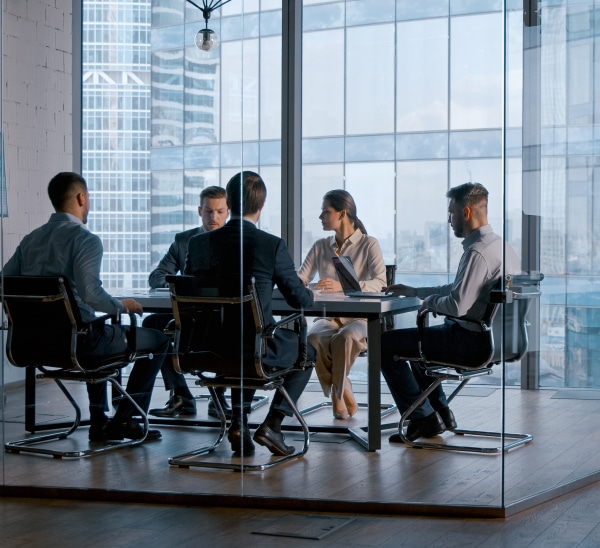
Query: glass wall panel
point(476, 71)
point(559, 232)
point(369, 79)
point(323, 84)
point(319, 179)
point(4, 208)
point(422, 48)
point(401, 101)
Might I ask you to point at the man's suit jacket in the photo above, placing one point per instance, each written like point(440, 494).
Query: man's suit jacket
point(216, 258)
point(174, 261)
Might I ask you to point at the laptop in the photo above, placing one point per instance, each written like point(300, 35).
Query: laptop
point(349, 280)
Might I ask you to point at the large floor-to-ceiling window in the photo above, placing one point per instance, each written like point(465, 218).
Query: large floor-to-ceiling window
point(400, 101)
point(116, 134)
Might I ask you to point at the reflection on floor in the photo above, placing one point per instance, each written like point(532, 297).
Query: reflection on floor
point(335, 468)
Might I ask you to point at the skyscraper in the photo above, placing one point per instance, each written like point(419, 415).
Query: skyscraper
point(116, 134)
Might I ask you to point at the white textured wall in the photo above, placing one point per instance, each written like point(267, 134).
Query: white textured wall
point(36, 111)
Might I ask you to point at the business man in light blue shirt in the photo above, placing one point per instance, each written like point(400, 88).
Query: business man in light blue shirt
point(65, 247)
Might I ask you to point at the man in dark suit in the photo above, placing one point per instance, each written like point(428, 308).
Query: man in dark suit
point(215, 258)
point(213, 212)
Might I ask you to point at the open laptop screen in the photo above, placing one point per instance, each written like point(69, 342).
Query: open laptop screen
point(346, 273)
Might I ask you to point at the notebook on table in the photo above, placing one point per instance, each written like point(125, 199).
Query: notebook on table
point(349, 280)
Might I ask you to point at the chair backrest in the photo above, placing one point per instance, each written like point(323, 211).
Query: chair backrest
point(509, 327)
point(505, 324)
point(390, 274)
point(43, 321)
point(217, 334)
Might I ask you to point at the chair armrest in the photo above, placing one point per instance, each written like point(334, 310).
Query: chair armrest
point(101, 319)
point(301, 330)
point(423, 315)
point(131, 334)
point(422, 322)
point(170, 328)
point(269, 331)
point(130, 337)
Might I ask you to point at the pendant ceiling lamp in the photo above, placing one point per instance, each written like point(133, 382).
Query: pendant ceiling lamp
point(207, 39)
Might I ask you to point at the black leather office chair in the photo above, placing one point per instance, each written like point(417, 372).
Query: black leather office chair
point(505, 322)
point(45, 332)
point(221, 340)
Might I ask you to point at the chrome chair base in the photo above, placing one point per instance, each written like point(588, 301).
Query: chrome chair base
point(445, 374)
point(386, 408)
point(187, 460)
point(30, 444)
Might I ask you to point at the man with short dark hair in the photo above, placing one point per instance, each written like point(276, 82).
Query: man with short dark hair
point(479, 269)
point(215, 258)
point(65, 247)
point(213, 212)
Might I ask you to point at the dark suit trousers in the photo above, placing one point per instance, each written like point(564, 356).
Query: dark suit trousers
point(172, 378)
point(107, 339)
point(407, 381)
point(282, 351)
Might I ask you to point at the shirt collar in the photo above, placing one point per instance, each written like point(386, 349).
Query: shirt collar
point(238, 219)
point(476, 234)
point(352, 239)
point(62, 216)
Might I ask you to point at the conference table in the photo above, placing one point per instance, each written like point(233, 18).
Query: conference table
point(374, 310)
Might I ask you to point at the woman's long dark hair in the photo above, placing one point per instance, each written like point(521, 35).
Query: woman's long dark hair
point(342, 200)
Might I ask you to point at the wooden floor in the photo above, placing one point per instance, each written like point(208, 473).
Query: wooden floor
point(572, 520)
point(336, 469)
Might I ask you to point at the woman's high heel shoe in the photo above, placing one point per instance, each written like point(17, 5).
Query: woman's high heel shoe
point(349, 399)
point(339, 408)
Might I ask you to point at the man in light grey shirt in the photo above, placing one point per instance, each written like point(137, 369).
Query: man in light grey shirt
point(65, 247)
point(484, 261)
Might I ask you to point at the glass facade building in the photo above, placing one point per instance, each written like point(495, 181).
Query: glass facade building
point(116, 134)
point(399, 102)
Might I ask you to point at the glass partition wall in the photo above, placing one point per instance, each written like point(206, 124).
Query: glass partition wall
point(400, 101)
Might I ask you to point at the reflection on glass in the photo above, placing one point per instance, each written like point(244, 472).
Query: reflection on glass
point(370, 79)
point(476, 71)
point(444, 119)
point(323, 84)
point(422, 48)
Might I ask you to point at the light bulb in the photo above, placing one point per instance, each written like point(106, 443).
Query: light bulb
point(206, 40)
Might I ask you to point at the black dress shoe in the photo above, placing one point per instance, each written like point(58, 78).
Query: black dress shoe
point(395, 438)
point(447, 417)
point(427, 427)
point(240, 439)
point(96, 432)
point(273, 441)
point(115, 431)
point(175, 407)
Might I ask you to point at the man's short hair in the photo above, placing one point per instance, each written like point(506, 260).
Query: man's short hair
point(247, 197)
point(63, 187)
point(212, 192)
point(469, 194)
